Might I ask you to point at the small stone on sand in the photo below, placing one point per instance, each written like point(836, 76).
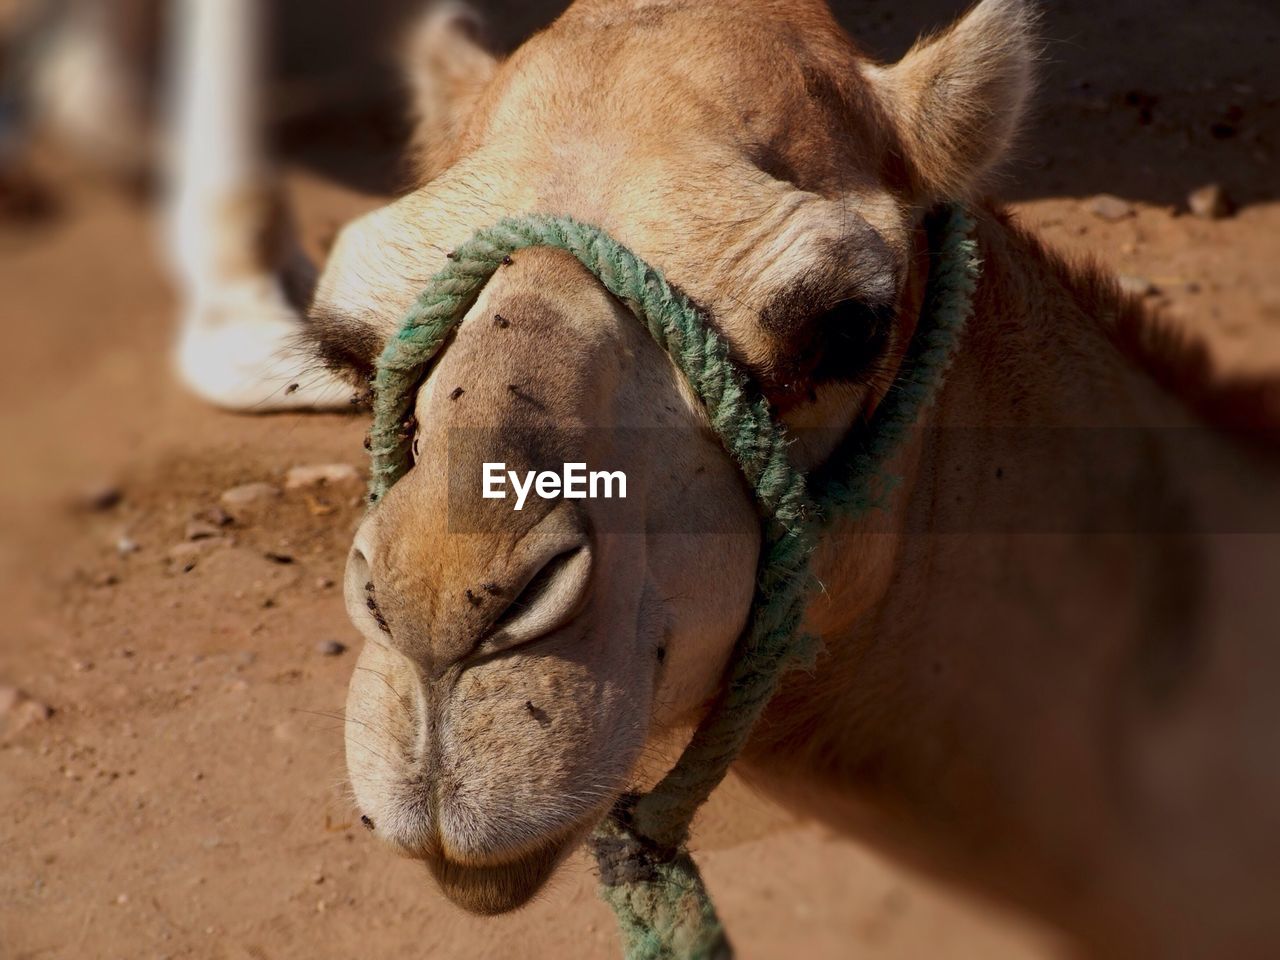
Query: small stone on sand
point(19, 710)
point(1136, 286)
point(101, 498)
point(214, 516)
point(321, 475)
point(1210, 202)
point(199, 530)
point(248, 494)
point(1109, 208)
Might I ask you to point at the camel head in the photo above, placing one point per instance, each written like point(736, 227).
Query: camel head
point(519, 663)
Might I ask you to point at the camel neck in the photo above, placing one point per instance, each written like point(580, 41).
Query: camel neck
point(1015, 647)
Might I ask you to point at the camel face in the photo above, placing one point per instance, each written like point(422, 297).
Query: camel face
point(519, 662)
point(516, 656)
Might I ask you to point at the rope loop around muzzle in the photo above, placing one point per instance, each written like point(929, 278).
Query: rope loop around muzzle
point(743, 422)
point(646, 872)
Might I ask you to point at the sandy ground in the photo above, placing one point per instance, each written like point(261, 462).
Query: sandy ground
point(185, 796)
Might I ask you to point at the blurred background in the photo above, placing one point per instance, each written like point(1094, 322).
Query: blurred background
point(173, 653)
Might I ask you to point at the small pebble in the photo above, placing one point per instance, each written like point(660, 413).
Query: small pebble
point(1136, 286)
point(19, 711)
point(10, 697)
point(101, 498)
point(1110, 208)
point(126, 546)
point(181, 554)
point(249, 493)
point(200, 530)
point(331, 648)
point(1210, 202)
point(321, 475)
point(214, 516)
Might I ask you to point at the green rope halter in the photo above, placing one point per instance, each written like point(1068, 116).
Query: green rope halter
point(646, 873)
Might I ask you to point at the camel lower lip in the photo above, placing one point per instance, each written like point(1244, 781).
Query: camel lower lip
point(498, 888)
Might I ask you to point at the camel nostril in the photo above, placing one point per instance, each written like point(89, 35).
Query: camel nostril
point(358, 565)
point(360, 592)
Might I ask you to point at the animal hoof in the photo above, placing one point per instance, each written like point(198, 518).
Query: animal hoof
point(243, 353)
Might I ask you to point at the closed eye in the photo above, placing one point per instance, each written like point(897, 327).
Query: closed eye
point(835, 318)
point(850, 337)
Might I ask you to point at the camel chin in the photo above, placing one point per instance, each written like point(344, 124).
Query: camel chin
point(239, 351)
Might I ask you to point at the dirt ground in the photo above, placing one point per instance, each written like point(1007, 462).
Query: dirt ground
point(183, 796)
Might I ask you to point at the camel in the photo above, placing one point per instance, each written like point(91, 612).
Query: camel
point(1046, 662)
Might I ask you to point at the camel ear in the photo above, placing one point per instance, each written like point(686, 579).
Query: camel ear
point(960, 95)
point(448, 67)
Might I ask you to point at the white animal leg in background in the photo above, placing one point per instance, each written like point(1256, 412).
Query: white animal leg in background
point(243, 277)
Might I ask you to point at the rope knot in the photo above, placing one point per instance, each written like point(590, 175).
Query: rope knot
point(657, 893)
